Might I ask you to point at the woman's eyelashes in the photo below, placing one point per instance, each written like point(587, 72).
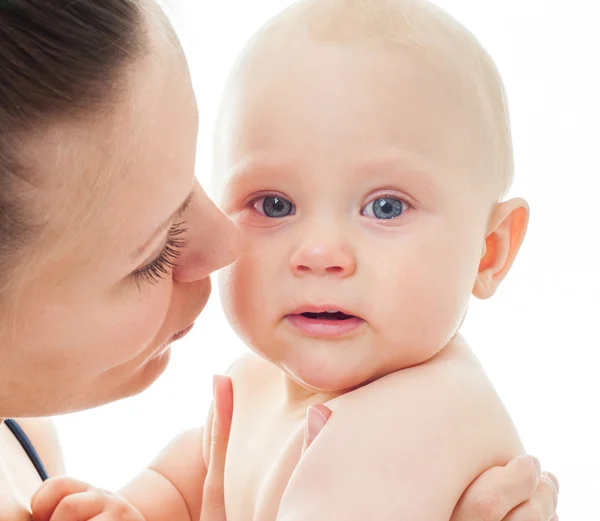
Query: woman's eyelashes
point(161, 267)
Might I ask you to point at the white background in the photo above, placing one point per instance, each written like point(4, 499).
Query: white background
point(538, 337)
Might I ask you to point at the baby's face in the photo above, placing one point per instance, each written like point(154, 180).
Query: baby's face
point(355, 178)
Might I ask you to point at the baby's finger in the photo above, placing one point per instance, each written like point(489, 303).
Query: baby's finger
point(80, 507)
point(51, 493)
point(105, 516)
point(110, 516)
point(213, 500)
point(316, 418)
point(119, 510)
point(498, 491)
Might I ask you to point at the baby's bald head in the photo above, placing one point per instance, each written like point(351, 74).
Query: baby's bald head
point(413, 28)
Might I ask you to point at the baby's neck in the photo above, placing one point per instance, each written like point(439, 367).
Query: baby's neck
point(298, 396)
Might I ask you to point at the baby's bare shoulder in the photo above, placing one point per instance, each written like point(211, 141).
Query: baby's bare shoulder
point(252, 374)
point(449, 393)
point(427, 431)
point(454, 371)
point(250, 365)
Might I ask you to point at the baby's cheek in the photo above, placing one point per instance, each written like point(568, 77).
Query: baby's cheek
point(421, 316)
point(243, 291)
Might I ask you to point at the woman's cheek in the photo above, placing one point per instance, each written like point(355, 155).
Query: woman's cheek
point(134, 325)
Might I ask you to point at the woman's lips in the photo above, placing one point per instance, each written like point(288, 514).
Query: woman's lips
point(181, 333)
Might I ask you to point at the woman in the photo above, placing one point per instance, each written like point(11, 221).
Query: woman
point(107, 241)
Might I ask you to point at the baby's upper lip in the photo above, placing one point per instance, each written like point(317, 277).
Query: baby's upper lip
point(322, 308)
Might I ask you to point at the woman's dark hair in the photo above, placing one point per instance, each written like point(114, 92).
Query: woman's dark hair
point(59, 59)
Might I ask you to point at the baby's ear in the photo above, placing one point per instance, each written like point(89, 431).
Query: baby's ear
point(504, 235)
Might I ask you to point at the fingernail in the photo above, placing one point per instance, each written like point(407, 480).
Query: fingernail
point(216, 379)
point(538, 467)
point(315, 421)
point(554, 480)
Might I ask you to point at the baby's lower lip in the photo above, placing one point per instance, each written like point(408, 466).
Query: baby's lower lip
point(323, 327)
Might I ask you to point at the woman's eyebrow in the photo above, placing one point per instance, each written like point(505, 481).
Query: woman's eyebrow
point(142, 250)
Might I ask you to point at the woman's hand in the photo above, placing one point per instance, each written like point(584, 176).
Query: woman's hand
point(213, 497)
point(518, 491)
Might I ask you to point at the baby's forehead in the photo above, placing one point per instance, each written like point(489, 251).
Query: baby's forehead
point(414, 37)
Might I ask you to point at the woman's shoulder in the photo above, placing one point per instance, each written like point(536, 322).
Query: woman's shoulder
point(44, 437)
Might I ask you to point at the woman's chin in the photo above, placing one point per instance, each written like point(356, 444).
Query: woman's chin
point(153, 368)
point(144, 377)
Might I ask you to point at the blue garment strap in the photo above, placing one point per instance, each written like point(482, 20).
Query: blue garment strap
point(28, 448)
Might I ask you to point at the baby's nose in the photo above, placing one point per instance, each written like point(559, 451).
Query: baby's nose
point(324, 258)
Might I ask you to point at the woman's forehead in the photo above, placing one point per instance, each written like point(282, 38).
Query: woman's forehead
point(110, 179)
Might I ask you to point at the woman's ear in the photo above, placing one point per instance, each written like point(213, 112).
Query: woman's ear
point(504, 236)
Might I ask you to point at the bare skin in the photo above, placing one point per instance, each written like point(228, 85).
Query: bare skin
point(156, 186)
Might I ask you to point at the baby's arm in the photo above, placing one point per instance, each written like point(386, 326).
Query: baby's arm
point(189, 473)
point(175, 486)
point(404, 447)
point(171, 487)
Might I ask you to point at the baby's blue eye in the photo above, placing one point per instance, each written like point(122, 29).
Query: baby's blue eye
point(274, 206)
point(385, 208)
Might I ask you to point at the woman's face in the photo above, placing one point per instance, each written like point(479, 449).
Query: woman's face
point(98, 301)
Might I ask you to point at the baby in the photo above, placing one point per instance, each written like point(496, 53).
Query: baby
point(364, 150)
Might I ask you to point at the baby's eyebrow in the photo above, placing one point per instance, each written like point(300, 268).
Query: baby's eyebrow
point(256, 168)
point(247, 174)
point(409, 169)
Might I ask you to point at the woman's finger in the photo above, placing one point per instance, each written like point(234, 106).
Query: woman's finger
point(541, 506)
point(316, 418)
point(213, 500)
point(499, 490)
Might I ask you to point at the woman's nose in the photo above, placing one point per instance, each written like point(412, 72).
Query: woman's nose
point(212, 241)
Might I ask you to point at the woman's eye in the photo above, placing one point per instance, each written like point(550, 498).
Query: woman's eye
point(166, 262)
point(385, 208)
point(274, 206)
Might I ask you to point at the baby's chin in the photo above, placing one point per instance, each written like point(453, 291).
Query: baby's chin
point(340, 374)
point(332, 378)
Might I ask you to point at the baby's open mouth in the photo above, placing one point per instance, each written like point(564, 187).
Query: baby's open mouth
point(328, 315)
point(330, 323)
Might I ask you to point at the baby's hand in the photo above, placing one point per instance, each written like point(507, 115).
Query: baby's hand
point(66, 499)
